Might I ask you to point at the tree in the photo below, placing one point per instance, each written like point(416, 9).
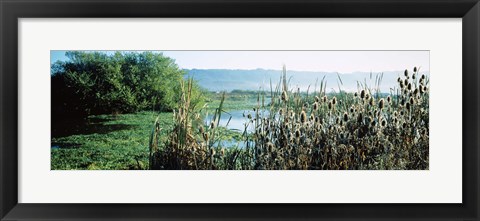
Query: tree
point(100, 83)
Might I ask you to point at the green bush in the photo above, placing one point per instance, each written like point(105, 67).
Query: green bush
point(100, 83)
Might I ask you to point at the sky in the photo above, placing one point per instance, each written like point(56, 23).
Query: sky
point(325, 61)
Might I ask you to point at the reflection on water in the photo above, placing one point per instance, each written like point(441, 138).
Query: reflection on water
point(236, 120)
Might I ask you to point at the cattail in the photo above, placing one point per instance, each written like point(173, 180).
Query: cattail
point(334, 100)
point(374, 123)
point(360, 118)
point(367, 96)
point(205, 136)
point(270, 147)
point(303, 117)
point(412, 101)
point(317, 99)
point(381, 103)
point(409, 87)
point(249, 116)
point(355, 94)
point(395, 113)
point(345, 117)
point(389, 99)
point(330, 105)
point(404, 125)
point(423, 77)
point(362, 94)
point(315, 106)
point(324, 98)
point(337, 120)
point(425, 88)
point(406, 82)
point(401, 84)
point(297, 133)
point(201, 130)
point(402, 113)
point(399, 80)
point(414, 69)
point(280, 112)
point(413, 76)
point(384, 123)
point(406, 73)
point(421, 90)
point(317, 120)
point(352, 110)
point(407, 106)
point(416, 91)
point(371, 101)
point(212, 125)
point(284, 96)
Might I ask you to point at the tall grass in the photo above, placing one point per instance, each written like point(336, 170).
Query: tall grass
point(318, 131)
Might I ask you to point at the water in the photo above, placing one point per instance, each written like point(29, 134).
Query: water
point(235, 120)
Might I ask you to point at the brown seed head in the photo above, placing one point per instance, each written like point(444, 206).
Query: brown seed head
point(362, 94)
point(297, 133)
point(303, 117)
point(381, 103)
point(284, 96)
point(345, 117)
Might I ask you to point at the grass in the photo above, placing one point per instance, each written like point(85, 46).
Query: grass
point(116, 143)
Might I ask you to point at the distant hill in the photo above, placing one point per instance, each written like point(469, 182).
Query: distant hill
point(228, 80)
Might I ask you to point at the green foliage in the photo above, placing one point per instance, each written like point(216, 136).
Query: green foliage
point(113, 143)
point(99, 83)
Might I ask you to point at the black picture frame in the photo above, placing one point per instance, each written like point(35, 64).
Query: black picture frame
point(12, 10)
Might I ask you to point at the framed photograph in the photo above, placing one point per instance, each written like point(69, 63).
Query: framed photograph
point(255, 110)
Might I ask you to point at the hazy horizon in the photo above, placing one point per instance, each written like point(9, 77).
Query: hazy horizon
point(314, 61)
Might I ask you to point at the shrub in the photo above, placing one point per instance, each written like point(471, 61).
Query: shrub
point(100, 83)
